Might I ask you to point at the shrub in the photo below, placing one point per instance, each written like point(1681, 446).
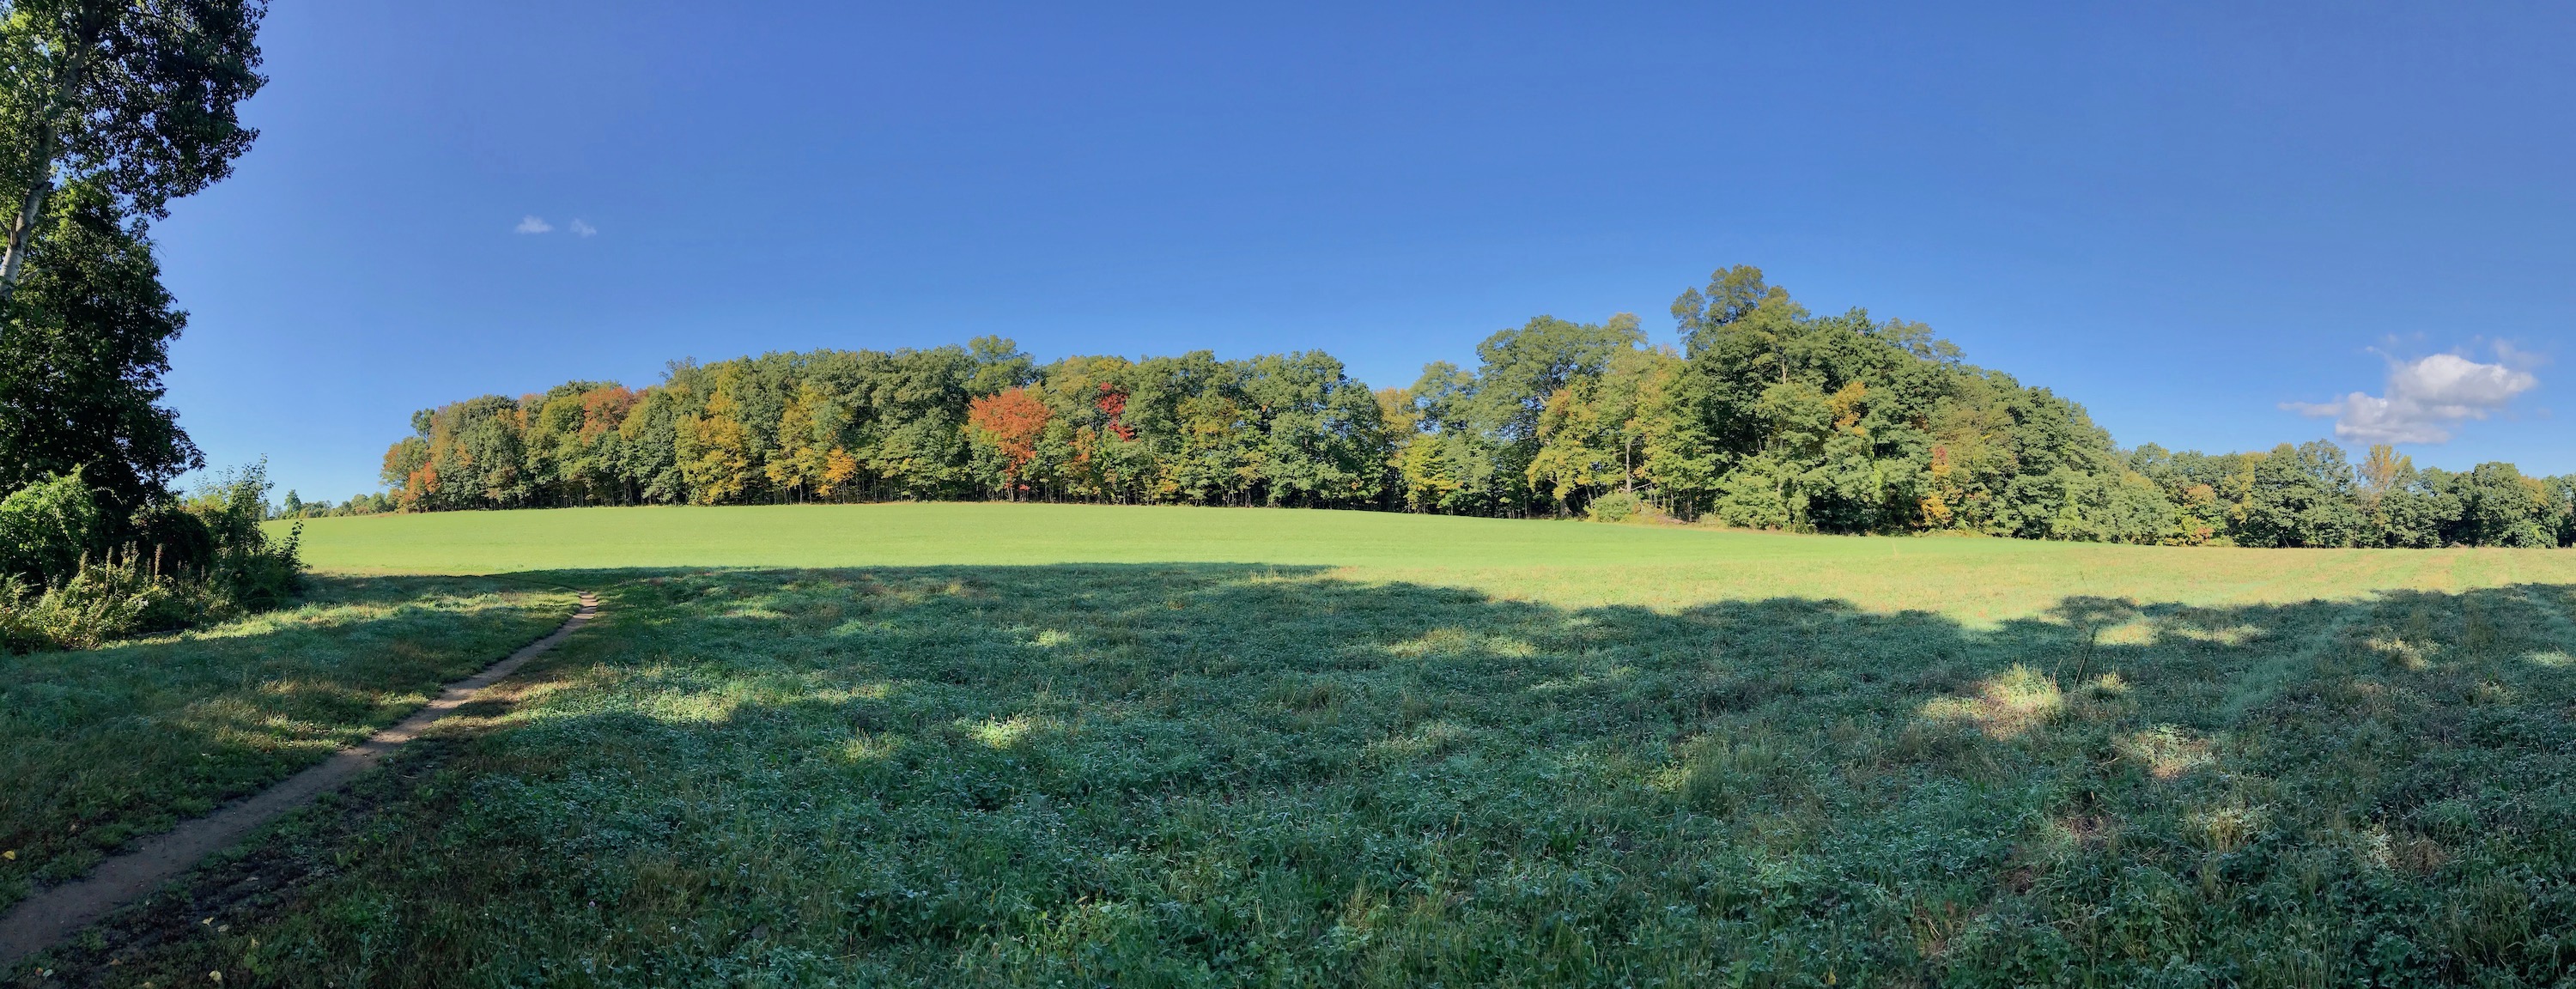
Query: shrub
point(204, 560)
point(99, 604)
point(48, 528)
point(253, 574)
point(172, 540)
point(1618, 506)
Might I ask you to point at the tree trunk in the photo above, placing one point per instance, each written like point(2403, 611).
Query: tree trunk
point(48, 144)
point(31, 207)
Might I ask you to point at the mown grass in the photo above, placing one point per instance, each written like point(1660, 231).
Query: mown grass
point(1567, 564)
point(1437, 752)
point(1225, 775)
point(105, 745)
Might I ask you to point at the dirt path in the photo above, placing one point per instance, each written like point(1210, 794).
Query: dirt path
point(39, 921)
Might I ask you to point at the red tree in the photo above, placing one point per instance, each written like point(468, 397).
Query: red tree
point(1011, 421)
point(603, 409)
point(1113, 403)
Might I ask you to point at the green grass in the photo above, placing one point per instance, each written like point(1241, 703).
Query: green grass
point(949, 533)
point(1175, 747)
point(1565, 563)
point(109, 744)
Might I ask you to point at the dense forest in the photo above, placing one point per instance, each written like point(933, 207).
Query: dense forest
point(1768, 416)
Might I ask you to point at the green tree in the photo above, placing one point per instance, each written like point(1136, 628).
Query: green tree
point(82, 350)
point(134, 99)
point(2301, 496)
point(49, 527)
point(1321, 432)
point(2501, 507)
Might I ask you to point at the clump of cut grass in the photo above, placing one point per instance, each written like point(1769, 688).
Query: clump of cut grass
point(1721, 775)
point(2012, 704)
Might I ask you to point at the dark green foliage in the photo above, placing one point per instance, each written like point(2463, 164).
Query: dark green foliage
point(295, 507)
point(173, 540)
point(2310, 495)
point(71, 585)
point(83, 345)
point(2500, 507)
point(137, 99)
point(48, 528)
point(252, 571)
point(126, 106)
point(2300, 496)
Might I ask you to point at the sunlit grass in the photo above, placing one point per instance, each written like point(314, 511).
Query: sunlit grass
point(1561, 564)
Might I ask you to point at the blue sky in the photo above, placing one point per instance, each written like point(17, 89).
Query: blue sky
point(2217, 228)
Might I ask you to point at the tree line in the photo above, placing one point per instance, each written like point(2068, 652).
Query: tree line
point(1765, 416)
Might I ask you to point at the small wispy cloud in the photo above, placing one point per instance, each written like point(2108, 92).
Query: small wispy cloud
point(581, 229)
point(2426, 399)
point(533, 225)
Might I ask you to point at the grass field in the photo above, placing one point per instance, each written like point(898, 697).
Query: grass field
point(960, 744)
point(1563, 563)
point(111, 743)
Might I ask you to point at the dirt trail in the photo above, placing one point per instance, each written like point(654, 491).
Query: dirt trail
point(44, 919)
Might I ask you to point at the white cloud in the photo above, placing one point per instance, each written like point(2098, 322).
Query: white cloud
point(580, 229)
point(2426, 398)
point(533, 225)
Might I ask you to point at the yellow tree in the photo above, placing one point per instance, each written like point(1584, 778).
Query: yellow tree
point(808, 460)
point(715, 452)
point(1576, 450)
point(1402, 421)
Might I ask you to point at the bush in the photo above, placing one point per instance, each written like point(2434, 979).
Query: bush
point(203, 560)
point(1619, 506)
point(1624, 508)
point(48, 528)
point(99, 604)
point(172, 540)
point(253, 574)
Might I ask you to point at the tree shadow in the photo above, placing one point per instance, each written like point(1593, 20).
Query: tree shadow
point(109, 744)
point(1193, 774)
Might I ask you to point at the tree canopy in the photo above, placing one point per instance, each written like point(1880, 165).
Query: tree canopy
point(82, 351)
point(108, 110)
point(1766, 416)
point(134, 98)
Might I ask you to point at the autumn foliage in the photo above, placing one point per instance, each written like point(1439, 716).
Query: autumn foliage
point(1113, 405)
point(1010, 422)
point(1761, 415)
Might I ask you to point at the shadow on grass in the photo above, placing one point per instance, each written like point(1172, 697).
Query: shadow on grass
point(108, 744)
point(1222, 775)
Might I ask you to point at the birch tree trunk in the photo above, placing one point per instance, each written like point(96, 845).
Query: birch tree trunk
point(31, 203)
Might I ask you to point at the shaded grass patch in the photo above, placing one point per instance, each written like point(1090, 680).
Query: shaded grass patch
point(1224, 775)
point(110, 744)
